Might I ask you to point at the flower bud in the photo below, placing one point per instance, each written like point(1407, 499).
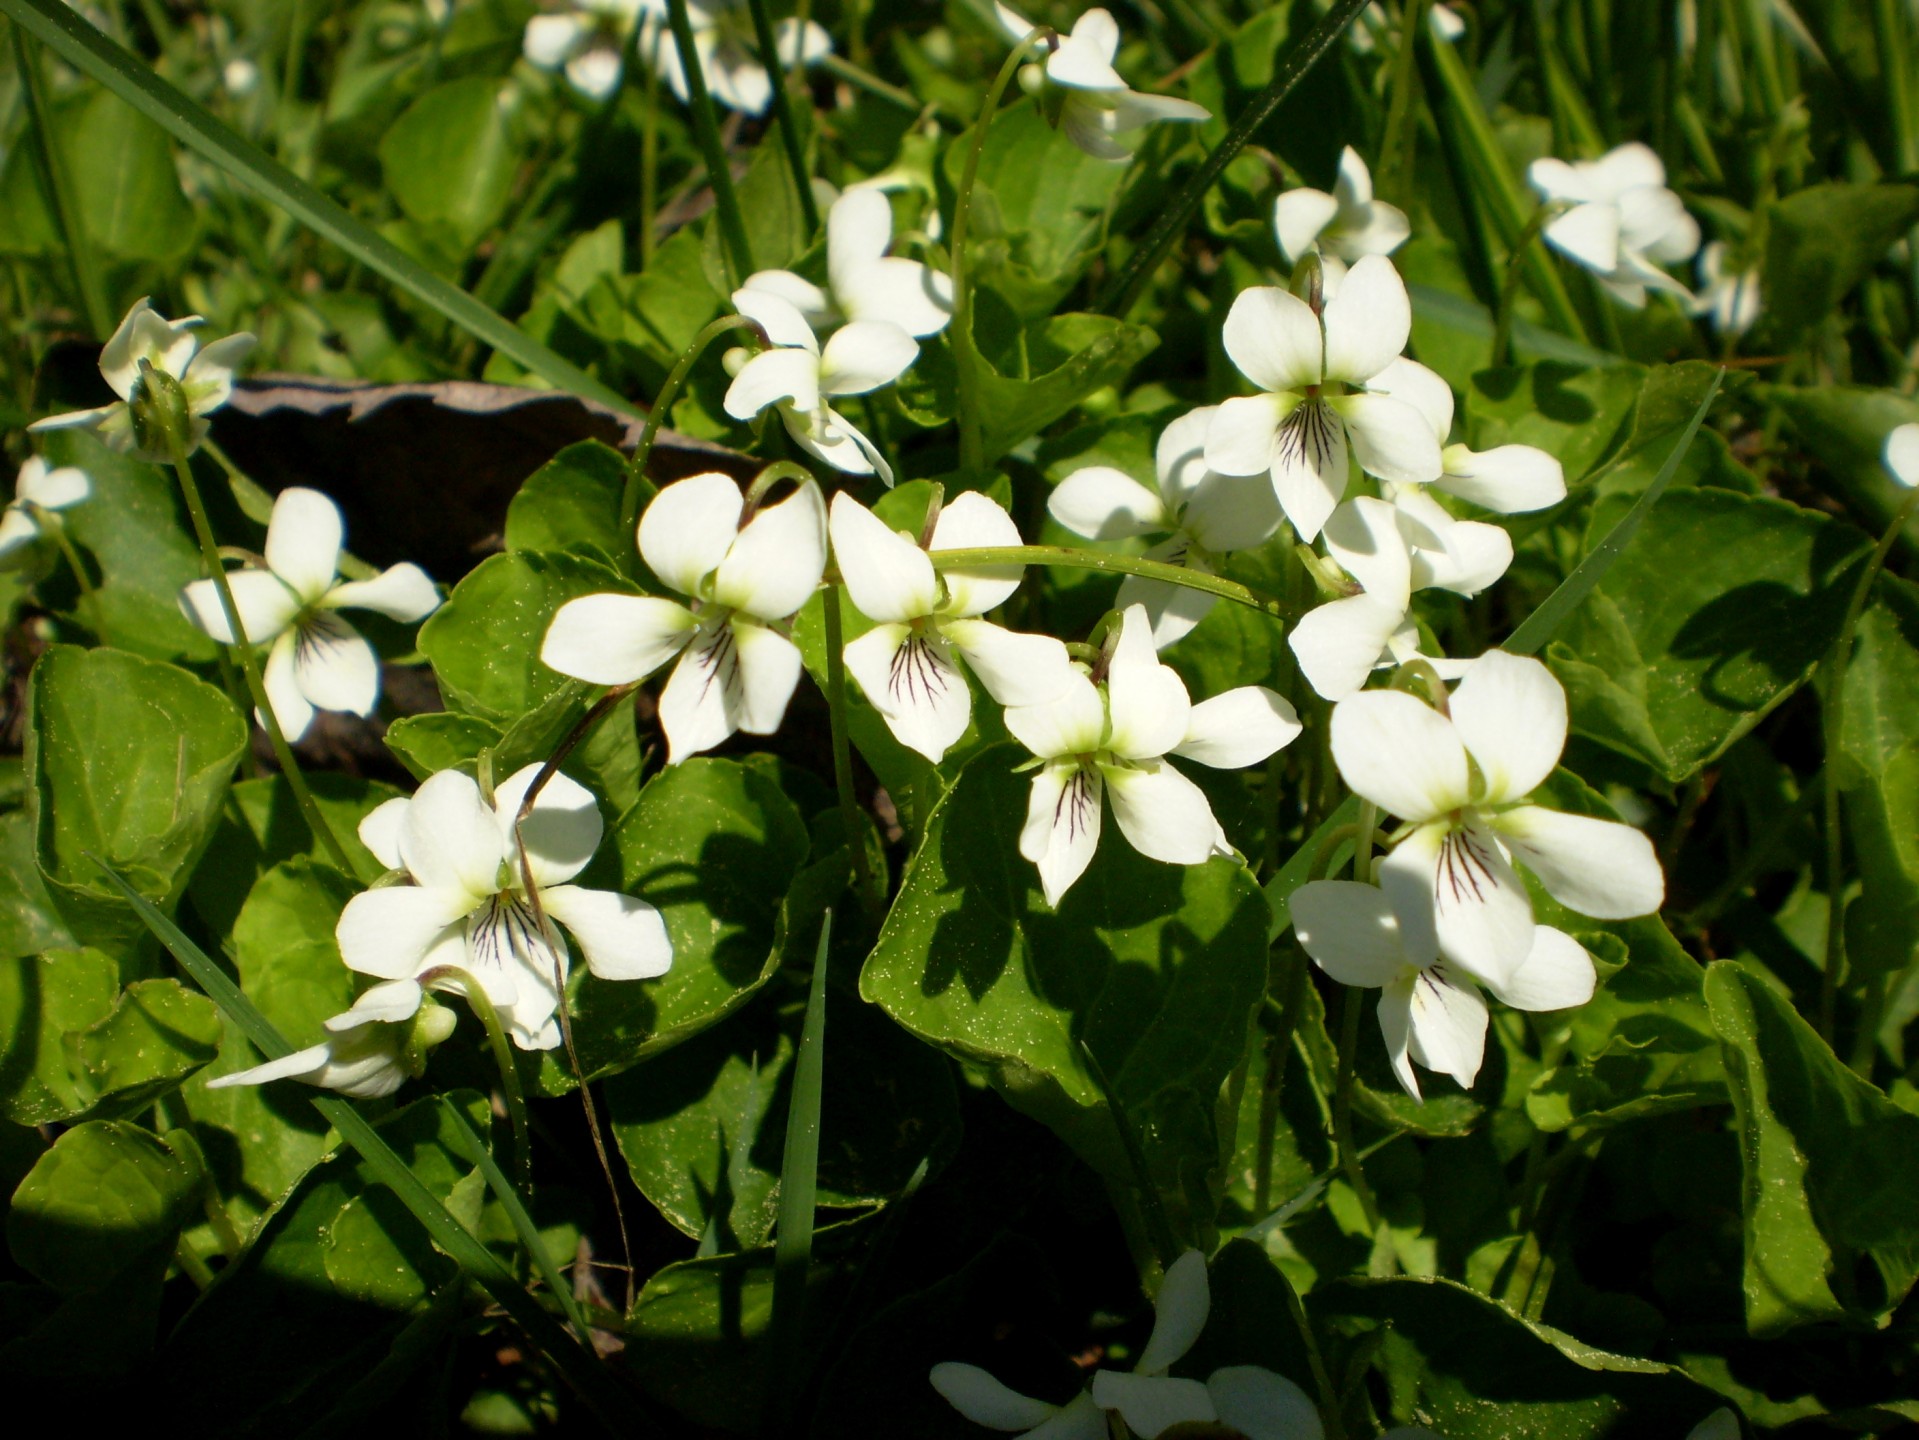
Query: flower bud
point(159, 409)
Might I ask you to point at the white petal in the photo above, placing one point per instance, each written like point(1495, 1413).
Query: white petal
point(1390, 438)
point(18, 529)
point(265, 604)
point(1363, 536)
point(1471, 558)
point(303, 541)
point(1088, 123)
point(865, 355)
point(984, 1400)
point(1231, 512)
point(1350, 931)
point(1244, 433)
point(803, 295)
point(827, 435)
point(1510, 713)
point(776, 563)
point(778, 314)
point(1146, 702)
point(1481, 914)
point(304, 1064)
point(561, 833)
point(95, 418)
point(1015, 668)
point(1596, 867)
point(1061, 830)
point(1084, 58)
point(1420, 388)
point(1902, 455)
point(1274, 338)
point(1238, 728)
point(1016, 26)
point(859, 228)
point(1079, 1419)
point(400, 931)
point(1339, 644)
point(1102, 503)
point(1151, 1404)
point(1353, 182)
point(688, 527)
point(1400, 754)
point(915, 297)
point(1298, 218)
point(387, 1003)
point(1072, 723)
point(1396, 1029)
point(1179, 1314)
point(208, 381)
point(888, 576)
point(622, 938)
point(1172, 610)
point(1163, 814)
point(1378, 229)
point(770, 667)
point(1262, 1405)
point(334, 666)
point(1310, 466)
point(292, 711)
point(1179, 457)
point(449, 837)
point(595, 72)
point(973, 521)
point(1448, 1025)
point(915, 686)
point(50, 488)
point(615, 639)
point(1625, 167)
point(1509, 479)
point(1589, 234)
point(772, 377)
point(798, 44)
point(1556, 975)
point(1367, 321)
point(550, 39)
point(144, 334)
point(379, 831)
point(1654, 221)
point(1133, 110)
point(400, 592)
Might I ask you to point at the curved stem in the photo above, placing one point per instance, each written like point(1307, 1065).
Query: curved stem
point(737, 250)
point(764, 482)
point(482, 1006)
point(986, 557)
point(842, 751)
point(89, 599)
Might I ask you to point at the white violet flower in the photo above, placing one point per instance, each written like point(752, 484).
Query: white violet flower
point(1460, 781)
point(799, 379)
point(738, 670)
point(1619, 219)
point(1112, 737)
point(1728, 297)
point(1317, 405)
point(1508, 479)
point(172, 347)
point(1208, 515)
point(38, 491)
point(1902, 455)
point(865, 282)
point(316, 660)
point(1430, 1012)
point(1080, 91)
point(908, 664)
point(728, 51)
point(985, 1401)
point(1348, 223)
point(370, 1051)
point(586, 43)
point(468, 909)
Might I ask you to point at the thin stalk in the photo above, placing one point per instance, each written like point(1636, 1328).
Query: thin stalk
point(1834, 727)
point(736, 250)
point(1059, 555)
point(191, 1265)
point(249, 663)
point(1127, 286)
point(89, 598)
point(866, 80)
point(1397, 141)
point(87, 278)
point(482, 1006)
point(1279, 1050)
point(650, 157)
point(972, 424)
point(783, 113)
point(1351, 1002)
point(1159, 1229)
point(842, 751)
point(1322, 1378)
point(1509, 287)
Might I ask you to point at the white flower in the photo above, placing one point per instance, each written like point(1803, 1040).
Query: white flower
point(38, 490)
point(799, 378)
point(1316, 402)
point(170, 346)
point(370, 1051)
point(985, 1401)
point(317, 660)
point(585, 43)
point(1208, 514)
point(1429, 1011)
point(467, 907)
point(1509, 479)
point(1083, 94)
point(1620, 219)
point(908, 663)
point(1730, 299)
point(866, 283)
point(1113, 737)
point(1460, 781)
point(728, 50)
point(1348, 223)
point(1902, 455)
point(738, 671)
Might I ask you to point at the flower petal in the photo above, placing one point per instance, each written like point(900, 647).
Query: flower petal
point(208, 381)
point(864, 355)
point(984, 1400)
point(550, 39)
point(774, 377)
point(776, 563)
point(401, 592)
point(1509, 479)
point(387, 1003)
point(1150, 1404)
point(1146, 702)
point(1102, 503)
point(1396, 1029)
point(1589, 234)
point(1162, 814)
point(1237, 728)
point(1400, 754)
point(1079, 1419)
point(1556, 975)
point(1390, 438)
point(1363, 535)
point(291, 709)
point(379, 831)
point(400, 931)
point(1340, 644)
point(1298, 218)
point(1310, 463)
point(303, 542)
point(1368, 321)
point(1015, 668)
point(1262, 1405)
point(1595, 867)
point(1072, 723)
point(265, 604)
point(915, 297)
point(18, 529)
point(1180, 1309)
point(1376, 229)
point(1172, 610)
point(827, 435)
point(334, 666)
point(779, 316)
point(449, 837)
point(1448, 1023)
point(1510, 713)
point(1244, 433)
point(1274, 338)
point(859, 228)
point(1061, 831)
point(621, 937)
point(1470, 559)
point(688, 528)
point(1902, 455)
point(1231, 512)
point(1350, 931)
point(976, 522)
point(1134, 109)
point(1179, 457)
point(915, 686)
point(615, 639)
point(815, 307)
point(51, 488)
point(561, 833)
point(888, 576)
point(1481, 915)
point(1420, 388)
point(1084, 58)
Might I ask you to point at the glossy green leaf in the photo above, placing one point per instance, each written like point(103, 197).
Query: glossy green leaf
point(130, 761)
point(451, 157)
point(1053, 366)
point(1155, 967)
point(105, 1195)
point(157, 1034)
point(42, 998)
point(1877, 770)
point(572, 503)
point(125, 183)
point(441, 740)
point(29, 923)
point(1575, 414)
point(1823, 240)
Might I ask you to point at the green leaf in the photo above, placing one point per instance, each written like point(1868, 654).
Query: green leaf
point(1716, 613)
point(1845, 429)
point(441, 740)
point(29, 923)
point(1048, 368)
point(106, 1194)
point(156, 1035)
point(125, 184)
point(42, 997)
point(451, 157)
point(1575, 414)
point(130, 761)
point(572, 503)
point(1825, 239)
point(1877, 769)
point(1830, 1165)
point(1157, 968)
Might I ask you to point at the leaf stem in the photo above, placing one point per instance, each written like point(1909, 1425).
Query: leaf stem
point(783, 113)
point(1059, 555)
point(842, 751)
point(736, 250)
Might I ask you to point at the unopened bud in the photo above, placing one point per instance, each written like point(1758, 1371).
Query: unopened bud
point(158, 407)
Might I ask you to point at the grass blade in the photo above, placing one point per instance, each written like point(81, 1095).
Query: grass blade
point(66, 33)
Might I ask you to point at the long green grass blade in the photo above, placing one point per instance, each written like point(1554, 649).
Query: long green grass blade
point(51, 154)
point(583, 1372)
point(69, 35)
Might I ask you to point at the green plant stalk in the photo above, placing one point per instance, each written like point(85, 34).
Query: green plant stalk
point(89, 598)
point(966, 356)
point(1351, 1002)
point(482, 1006)
point(990, 556)
point(588, 1378)
point(249, 662)
point(865, 80)
point(1509, 287)
point(1397, 140)
point(736, 250)
point(656, 414)
point(1272, 1090)
point(1124, 291)
point(649, 159)
point(1834, 731)
point(863, 878)
point(783, 113)
point(93, 54)
point(87, 279)
point(1159, 1230)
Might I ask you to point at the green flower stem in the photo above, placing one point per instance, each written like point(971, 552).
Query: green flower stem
point(972, 424)
point(649, 158)
point(89, 598)
point(1352, 1001)
point(476, 997)
point(1509, 286)
point(249, 663)
point(636, 481)
point(863, 878)
point(191, 1265)
point(852, 74)
point(87, 277)
point(996, 555)
point(737, 250)
point(764, 482)
point(783, 112)
point(1834, 727)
